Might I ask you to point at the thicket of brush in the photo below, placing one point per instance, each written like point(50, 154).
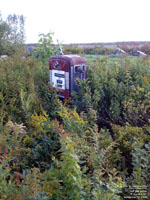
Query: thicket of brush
point(92, 149)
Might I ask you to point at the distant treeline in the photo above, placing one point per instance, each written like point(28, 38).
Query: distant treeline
point(110, 44)
point(102, 48)
point(105, 50)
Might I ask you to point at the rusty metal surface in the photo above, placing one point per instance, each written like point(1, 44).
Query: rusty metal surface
point(62, 64)
point(72, 59)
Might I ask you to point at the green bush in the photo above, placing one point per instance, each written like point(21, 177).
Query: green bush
point(70, 49)
point(119, 93)
point(78, 174)
point(87, 150)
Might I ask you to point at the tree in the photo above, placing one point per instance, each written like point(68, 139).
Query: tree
point(4, 35)
point(11, 33)
point(16, 24)
point(45, 49)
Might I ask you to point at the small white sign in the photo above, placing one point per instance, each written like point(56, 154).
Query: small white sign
point(58, 79)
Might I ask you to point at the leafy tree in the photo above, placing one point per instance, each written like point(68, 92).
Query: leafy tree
point(4, 35)
point(16, 24)
point(11, 33)
point(46, 49)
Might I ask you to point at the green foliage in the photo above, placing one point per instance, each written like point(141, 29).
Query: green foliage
point(92, 159)
point(43, 140)
point(70, 49)
point(7, 188)
point(16, 24)
point(11, 34)
point(98, 50)
point(124, 137)
point(45, 49)
point(66, 173)
point(13, 188)
point(141, 160)
point(17, 91)
point(4, 34)
point(90, 149)
point(76, 176)
point(45, 92)
point(118, 92)
point(21, 94)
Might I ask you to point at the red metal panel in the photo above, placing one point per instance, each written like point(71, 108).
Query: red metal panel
point(65, 93)
point(62, 64)
point(70, 59)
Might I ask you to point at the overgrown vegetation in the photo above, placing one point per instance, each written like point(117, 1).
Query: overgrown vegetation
point(92, 149)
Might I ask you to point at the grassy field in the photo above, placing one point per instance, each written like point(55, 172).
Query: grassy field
point(110, 58)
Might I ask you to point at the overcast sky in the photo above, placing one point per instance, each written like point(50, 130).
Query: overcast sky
point(83, 21)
